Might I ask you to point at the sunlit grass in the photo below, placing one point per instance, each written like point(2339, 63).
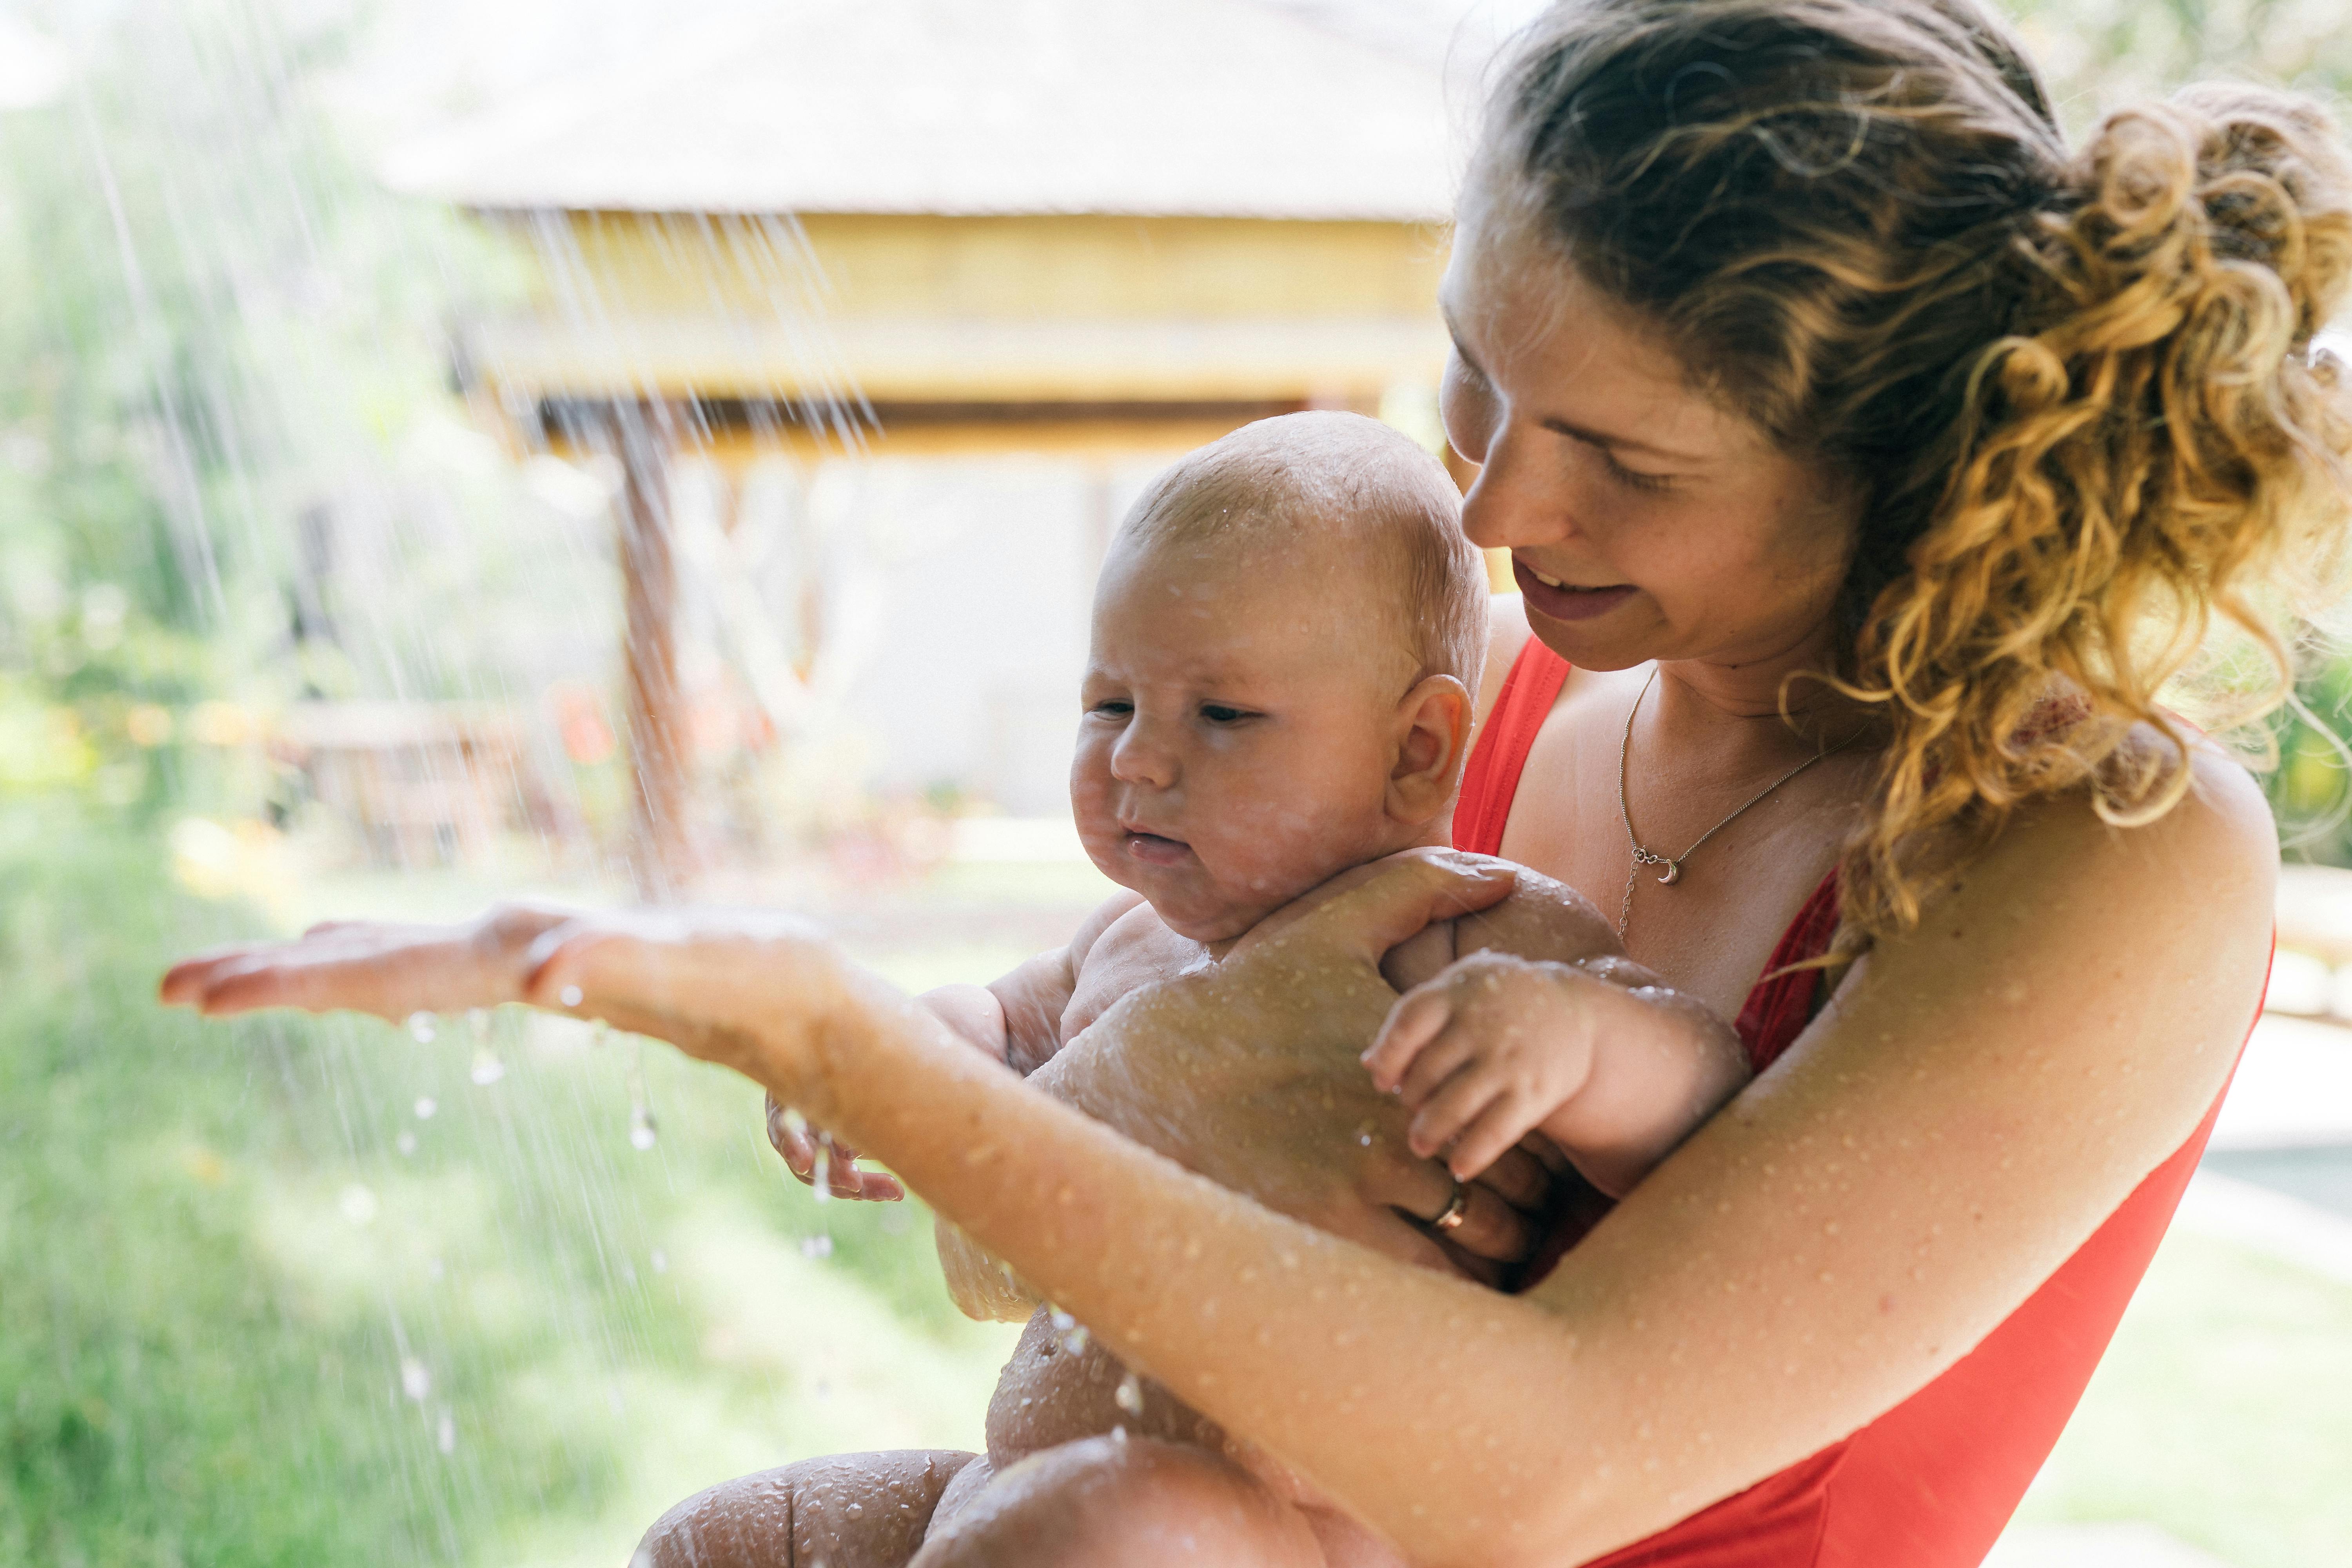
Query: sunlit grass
point(2222, 1413)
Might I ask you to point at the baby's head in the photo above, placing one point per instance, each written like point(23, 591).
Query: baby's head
point(1287, 631)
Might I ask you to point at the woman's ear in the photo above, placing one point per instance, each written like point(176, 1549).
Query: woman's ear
point(1432, 727)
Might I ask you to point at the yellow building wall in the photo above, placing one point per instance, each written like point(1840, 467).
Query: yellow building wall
point(913, 309)
point(1015, 268)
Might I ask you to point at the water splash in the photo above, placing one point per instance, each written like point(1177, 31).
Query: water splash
point(487, 1068)
point(642, 1131)
point(423, 1027)
point(1129, 1396)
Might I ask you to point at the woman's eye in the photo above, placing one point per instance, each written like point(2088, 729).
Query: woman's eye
point(1634, 478)
point(1114, 707)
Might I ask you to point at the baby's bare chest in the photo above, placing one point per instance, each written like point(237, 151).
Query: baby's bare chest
point(1133, 953)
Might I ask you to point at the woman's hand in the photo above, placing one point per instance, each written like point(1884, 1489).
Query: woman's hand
point(1248, 1071)
point(757, 992)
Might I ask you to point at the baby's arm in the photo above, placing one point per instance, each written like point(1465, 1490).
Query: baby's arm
point(1555, 1031)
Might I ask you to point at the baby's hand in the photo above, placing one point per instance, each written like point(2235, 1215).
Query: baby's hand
point(811, 1154)
point(1484, 1055)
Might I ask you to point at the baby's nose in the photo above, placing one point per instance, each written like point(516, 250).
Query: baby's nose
point(1142, 759)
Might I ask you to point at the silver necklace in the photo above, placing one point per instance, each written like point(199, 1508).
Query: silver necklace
point(1644, 856)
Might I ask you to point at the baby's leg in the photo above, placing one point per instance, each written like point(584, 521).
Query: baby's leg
point(1135, 1502)
point(845, 1511)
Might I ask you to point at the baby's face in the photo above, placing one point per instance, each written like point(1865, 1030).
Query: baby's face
point(1240, 725)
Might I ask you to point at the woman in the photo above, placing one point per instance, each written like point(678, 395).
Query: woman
point(1868, 461)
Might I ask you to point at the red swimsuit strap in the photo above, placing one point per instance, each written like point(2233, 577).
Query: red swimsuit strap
point(1778, 1007)
point(1499, 754)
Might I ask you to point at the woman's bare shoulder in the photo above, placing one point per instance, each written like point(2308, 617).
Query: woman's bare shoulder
point(2095, 948)
point(2220, 832)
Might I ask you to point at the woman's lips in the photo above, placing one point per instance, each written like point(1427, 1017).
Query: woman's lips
point(1153, 850)
point(1564, 604)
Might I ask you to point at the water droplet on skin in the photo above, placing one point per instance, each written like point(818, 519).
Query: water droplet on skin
point(642, 1131)
point(1077, 1341)
point(426, 1106)
point(1129, 1396)
point(414, 1380)
point(424, 1026)
point(816, 1246)
point(855, 1511)
point(1063, 1322)
point(570, 996)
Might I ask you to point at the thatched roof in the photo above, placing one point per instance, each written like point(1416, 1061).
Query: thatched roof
point(1174, 108)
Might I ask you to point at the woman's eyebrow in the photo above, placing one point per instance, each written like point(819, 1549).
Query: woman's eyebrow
point(1583, 433)
point(1603, 439)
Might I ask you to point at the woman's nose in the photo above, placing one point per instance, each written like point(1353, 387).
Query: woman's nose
point(1509, 504)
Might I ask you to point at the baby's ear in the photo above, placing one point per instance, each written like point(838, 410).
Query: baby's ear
point(1433, 727)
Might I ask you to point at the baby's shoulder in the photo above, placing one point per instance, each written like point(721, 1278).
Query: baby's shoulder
point(1130, 950)
point(1542, 919)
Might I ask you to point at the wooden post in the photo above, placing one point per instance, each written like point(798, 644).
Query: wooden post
point(660, 854)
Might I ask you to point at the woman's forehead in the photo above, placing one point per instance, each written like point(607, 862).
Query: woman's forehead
point(1524, 317)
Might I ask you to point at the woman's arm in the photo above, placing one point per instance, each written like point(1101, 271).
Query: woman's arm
point(1982, 1093)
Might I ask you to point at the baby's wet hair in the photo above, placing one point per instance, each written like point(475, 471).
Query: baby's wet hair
point(1317, 476)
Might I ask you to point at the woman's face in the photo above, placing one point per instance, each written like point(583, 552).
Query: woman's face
point(1644, 521)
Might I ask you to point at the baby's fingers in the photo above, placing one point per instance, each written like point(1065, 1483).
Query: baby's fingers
point(1412, 1023)
point(1494, 1133)
point(1458, 1100)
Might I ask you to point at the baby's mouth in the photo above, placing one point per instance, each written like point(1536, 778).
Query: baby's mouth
point(1156, 849)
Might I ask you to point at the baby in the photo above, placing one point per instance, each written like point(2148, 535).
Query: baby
point(1287, 631)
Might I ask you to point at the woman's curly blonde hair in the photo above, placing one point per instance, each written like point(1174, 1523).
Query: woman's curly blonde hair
point(2076, 390)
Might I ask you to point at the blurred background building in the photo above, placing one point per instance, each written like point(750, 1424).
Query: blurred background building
point(879, 355)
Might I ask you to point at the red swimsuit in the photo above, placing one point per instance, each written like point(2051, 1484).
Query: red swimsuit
point(1930, 1483)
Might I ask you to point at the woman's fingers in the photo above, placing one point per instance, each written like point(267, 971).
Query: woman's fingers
point(390, 971)
point(1373, 907)
point(1518, 1179)
point(1490, 1228)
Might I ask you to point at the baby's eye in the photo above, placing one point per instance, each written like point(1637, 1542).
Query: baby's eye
point(1224, 713)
